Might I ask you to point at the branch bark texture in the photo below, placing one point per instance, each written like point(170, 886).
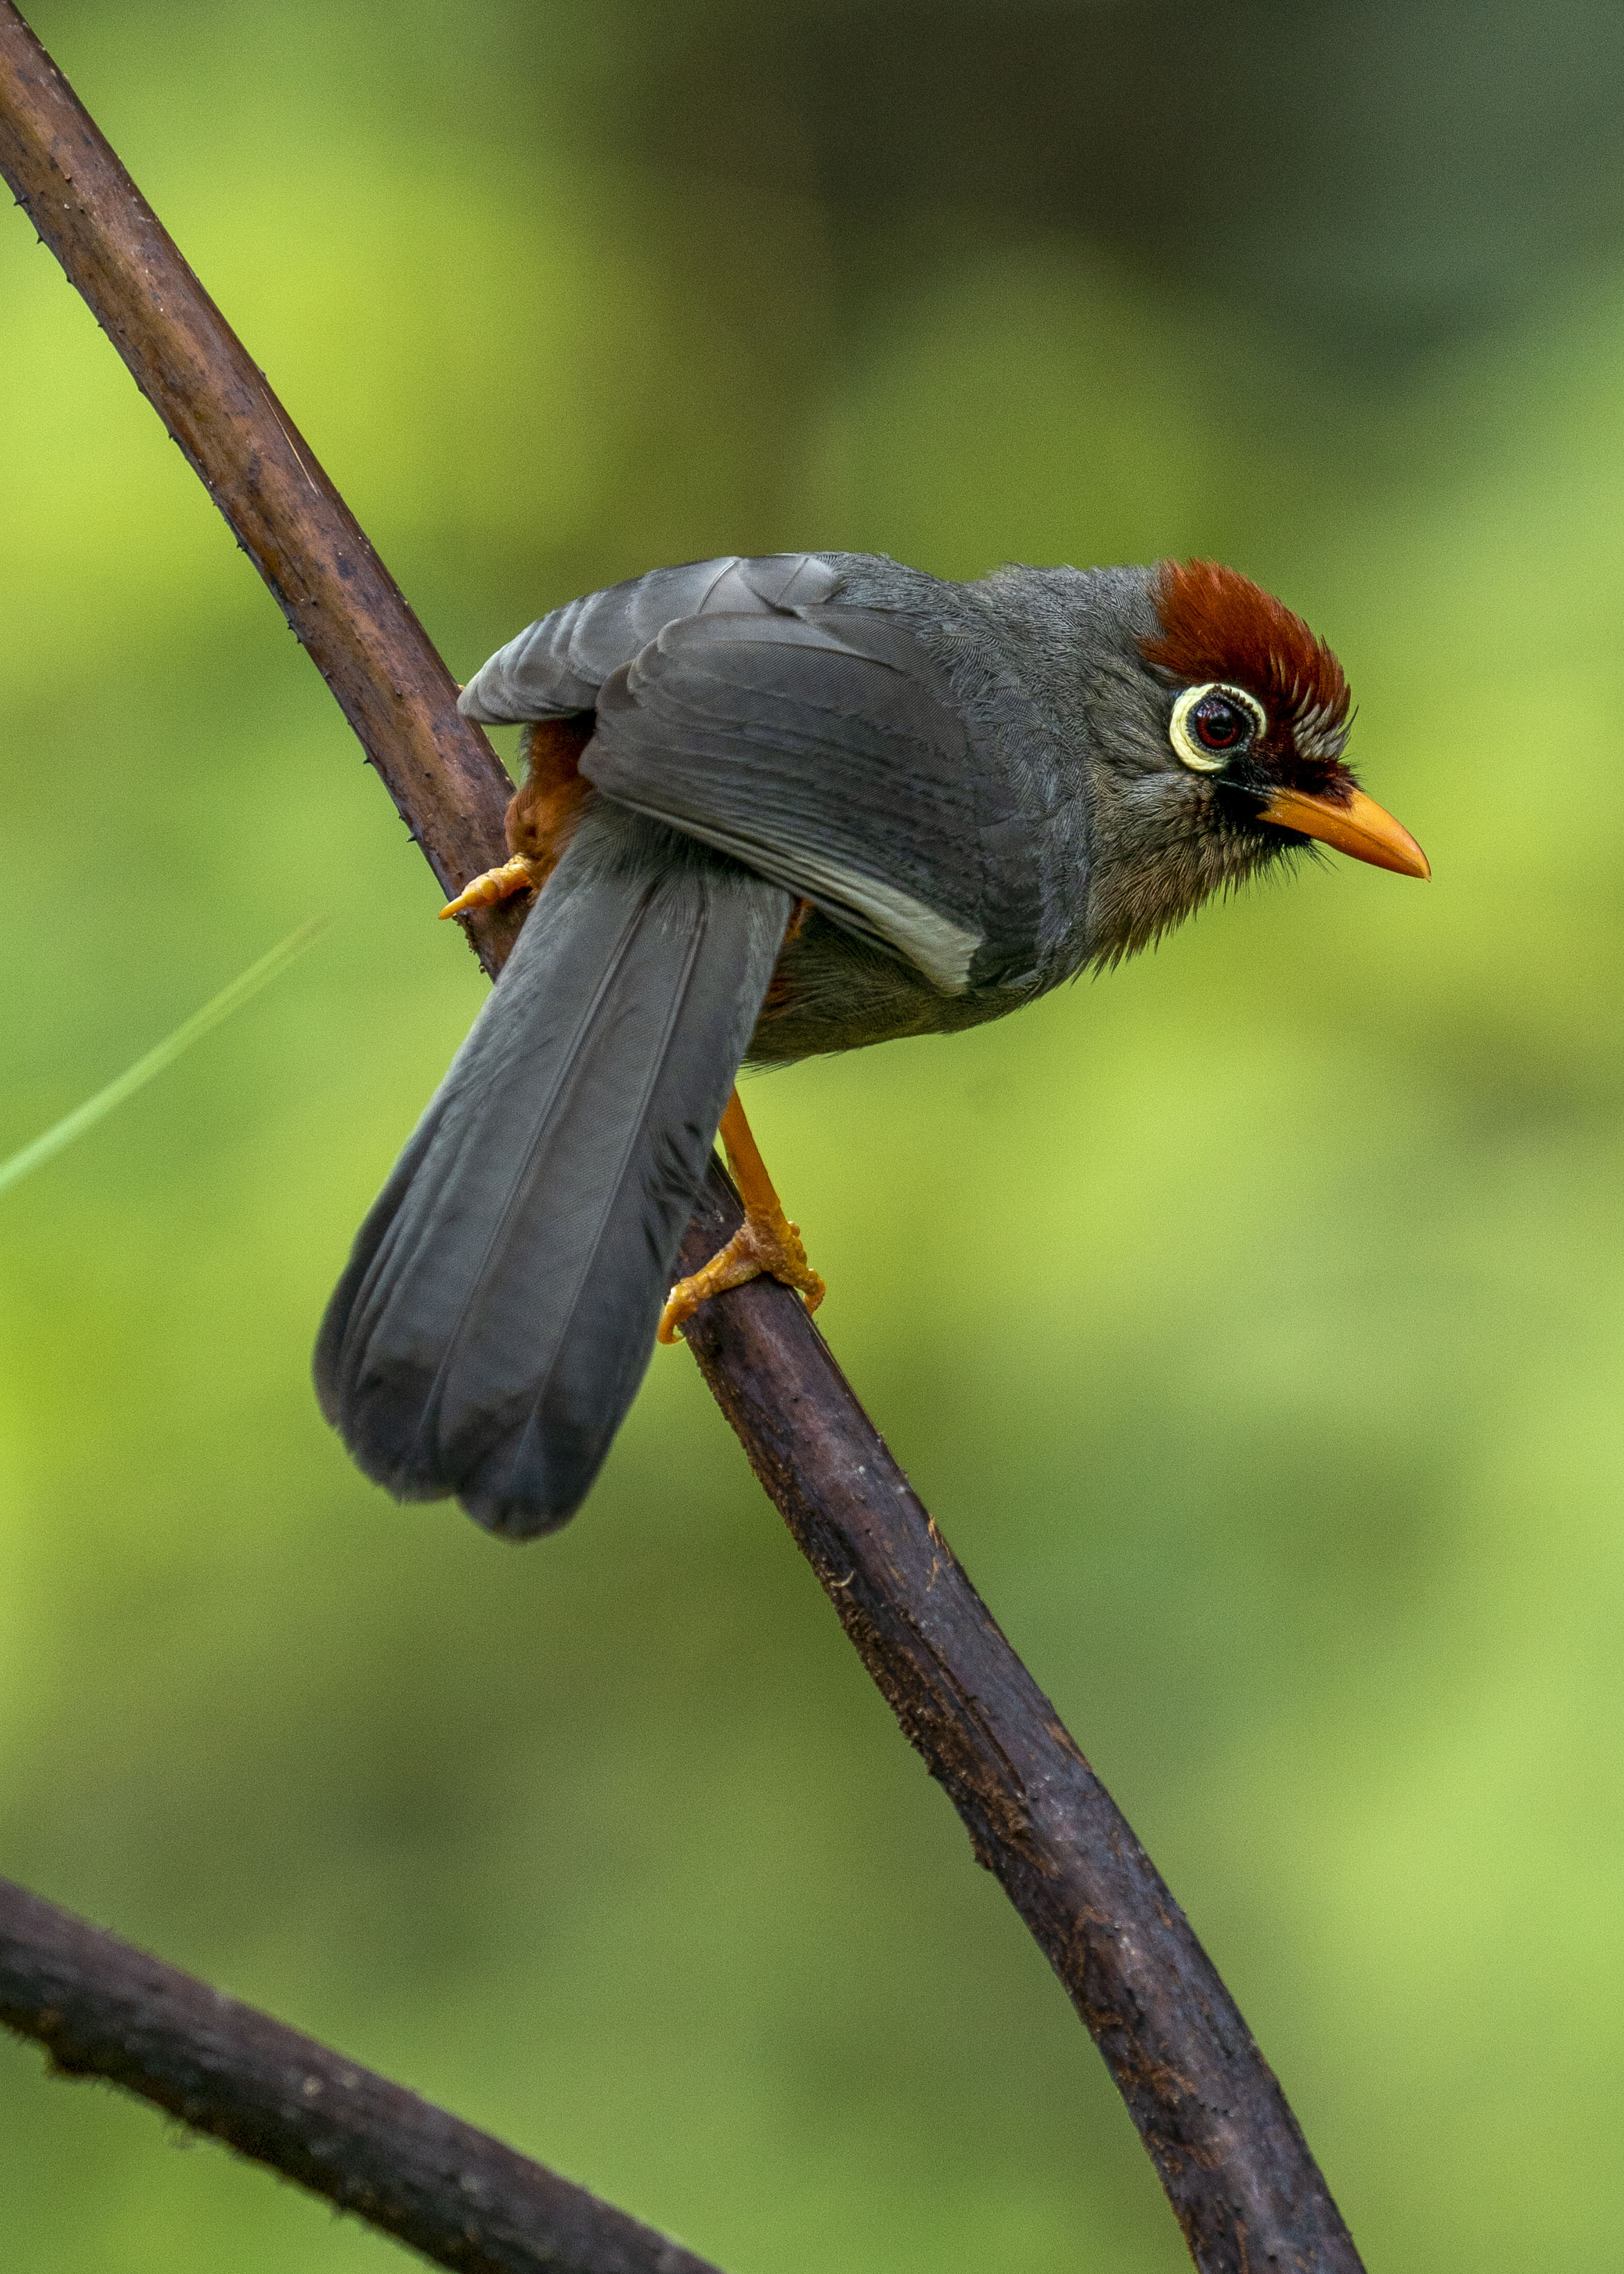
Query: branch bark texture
point(1228, 2151)
point(347, 610)
point(101, 2008)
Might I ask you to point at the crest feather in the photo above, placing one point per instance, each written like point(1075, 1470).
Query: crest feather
point(1218, 624)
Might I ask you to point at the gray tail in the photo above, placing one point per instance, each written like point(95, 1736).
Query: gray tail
point(498, 1309)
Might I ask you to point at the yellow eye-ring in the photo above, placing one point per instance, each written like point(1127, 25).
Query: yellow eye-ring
point(1212, 724)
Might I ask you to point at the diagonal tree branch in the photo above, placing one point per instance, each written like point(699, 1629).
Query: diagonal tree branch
point(1242, 2182)
point(101, 2008)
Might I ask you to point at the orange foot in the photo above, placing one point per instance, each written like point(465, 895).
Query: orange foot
point(763, 1245)
point(519, 875)
point(766, 1243)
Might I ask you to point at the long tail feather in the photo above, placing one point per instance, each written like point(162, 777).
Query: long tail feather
point(498, 1309)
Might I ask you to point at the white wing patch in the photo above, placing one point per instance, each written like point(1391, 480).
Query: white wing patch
point(943, 950)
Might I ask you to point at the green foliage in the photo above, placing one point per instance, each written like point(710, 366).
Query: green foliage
point(1251, 1319)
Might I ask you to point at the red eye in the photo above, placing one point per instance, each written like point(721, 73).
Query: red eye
point(1221, 725)
point(1213, 726)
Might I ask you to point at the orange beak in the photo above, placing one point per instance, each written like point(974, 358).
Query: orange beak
point(1361, 828)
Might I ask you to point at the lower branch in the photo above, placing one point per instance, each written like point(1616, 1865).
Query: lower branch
point(100, 2008)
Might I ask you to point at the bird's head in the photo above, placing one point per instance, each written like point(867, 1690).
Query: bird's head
point(1219, 742)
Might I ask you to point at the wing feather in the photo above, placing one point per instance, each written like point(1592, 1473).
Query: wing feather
point(821, 748)
point(740, 702)
point(557, 666)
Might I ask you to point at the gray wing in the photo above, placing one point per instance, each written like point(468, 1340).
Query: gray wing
point(821, 748)
point(739, 702)
point(558, 665)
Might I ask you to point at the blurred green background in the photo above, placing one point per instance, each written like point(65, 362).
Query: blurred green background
point(1253, 1320)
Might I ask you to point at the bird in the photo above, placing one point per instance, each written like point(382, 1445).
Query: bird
point(773, 807)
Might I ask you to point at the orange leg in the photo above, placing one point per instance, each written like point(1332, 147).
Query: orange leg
point(766, 1242)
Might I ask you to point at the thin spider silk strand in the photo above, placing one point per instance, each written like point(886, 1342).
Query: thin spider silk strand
point(61, 1134)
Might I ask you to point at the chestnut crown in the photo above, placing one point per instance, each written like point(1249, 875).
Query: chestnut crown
point(1222, 754)
point(1226, 636)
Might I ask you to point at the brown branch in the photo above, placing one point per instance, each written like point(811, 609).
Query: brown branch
point(100, 2008)
point(1240, 2180)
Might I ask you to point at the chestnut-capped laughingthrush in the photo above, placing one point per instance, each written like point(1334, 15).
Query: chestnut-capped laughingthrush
point(780, 806)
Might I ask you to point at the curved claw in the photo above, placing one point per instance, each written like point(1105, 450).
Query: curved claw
point(764, 1246)
point(519, 875)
